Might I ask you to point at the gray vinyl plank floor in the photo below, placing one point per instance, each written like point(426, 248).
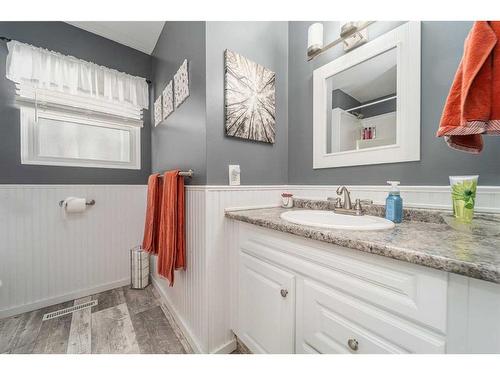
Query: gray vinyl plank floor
point(109, 298)
point(154, 334)
point(124, 321)
point(112, 332)
point(140, 300)
point(54, 333)
point(80, 333)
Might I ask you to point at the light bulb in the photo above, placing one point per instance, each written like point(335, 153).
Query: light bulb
point(314, 38)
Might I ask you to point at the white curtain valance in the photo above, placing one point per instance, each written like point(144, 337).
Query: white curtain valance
point(50, 70)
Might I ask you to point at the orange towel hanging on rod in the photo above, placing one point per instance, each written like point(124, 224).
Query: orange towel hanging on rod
point(171, 252)
point(164, 230)
point(473, 104)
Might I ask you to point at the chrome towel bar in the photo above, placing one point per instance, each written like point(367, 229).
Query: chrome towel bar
point(188, 173)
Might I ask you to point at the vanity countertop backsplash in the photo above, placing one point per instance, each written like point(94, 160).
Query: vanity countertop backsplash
point(426, 237)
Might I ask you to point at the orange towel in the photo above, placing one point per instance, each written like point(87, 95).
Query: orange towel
point(172, 252)
point(473, 104)
point(152, 222)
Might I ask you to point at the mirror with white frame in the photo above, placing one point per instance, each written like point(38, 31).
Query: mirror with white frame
point(367, 103)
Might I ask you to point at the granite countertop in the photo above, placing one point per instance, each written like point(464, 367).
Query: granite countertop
point(434, 240)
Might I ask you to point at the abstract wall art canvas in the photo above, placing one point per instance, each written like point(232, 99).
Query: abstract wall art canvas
point(181, 84)
point(157, 109)
point(168, 100)
point(249, 99)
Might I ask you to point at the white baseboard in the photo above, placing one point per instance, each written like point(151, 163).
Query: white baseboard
point(62, 298)
point(190, 337)
point(227, 348)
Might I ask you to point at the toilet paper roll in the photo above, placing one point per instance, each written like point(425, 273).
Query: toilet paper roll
point(75, 205)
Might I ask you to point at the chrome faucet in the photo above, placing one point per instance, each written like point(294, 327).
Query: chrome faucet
point(347, 205)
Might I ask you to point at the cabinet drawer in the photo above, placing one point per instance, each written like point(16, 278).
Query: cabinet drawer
point(329, 321)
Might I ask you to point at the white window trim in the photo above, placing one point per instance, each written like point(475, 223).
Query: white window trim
point(29, 146)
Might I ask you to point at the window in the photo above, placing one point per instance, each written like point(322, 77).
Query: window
point(55, 138)
point(57, 134)
point(76, 113)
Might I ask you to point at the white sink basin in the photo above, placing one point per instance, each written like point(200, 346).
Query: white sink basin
point(331, 220)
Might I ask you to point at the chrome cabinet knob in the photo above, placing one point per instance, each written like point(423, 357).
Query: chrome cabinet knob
point(284, 293)
point(353, 344)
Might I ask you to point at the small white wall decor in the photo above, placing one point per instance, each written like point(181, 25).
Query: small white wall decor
point(168, 100)
point(158, 110)
point(181, 84)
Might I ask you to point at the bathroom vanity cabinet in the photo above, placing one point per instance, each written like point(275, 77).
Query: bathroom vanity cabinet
point(296, 295)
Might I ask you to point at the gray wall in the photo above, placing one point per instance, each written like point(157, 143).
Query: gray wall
point(379, 108)
point(193, 136)
point(267, 44)
point(69, 40)
point(442, 47)
point(341, 100)
point(179, 142)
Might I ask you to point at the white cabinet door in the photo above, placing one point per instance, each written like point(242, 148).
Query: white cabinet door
point(473, 316)
point(329, 321)
point(266, 316)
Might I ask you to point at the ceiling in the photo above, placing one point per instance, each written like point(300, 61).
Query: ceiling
point(371, 79)
point(140, 35)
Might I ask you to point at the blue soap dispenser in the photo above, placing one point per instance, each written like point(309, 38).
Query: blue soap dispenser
point(394, 204)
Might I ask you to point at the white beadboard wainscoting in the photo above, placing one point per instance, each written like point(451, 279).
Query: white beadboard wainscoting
point(200, 300)
point(47, 256)
point(187, 299)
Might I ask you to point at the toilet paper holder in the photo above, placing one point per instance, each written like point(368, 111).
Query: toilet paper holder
point(88, 203)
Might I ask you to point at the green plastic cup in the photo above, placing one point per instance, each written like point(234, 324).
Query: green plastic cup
point(463, 197)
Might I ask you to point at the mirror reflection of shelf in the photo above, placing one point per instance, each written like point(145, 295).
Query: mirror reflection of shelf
point(376, 142)
point(372, 103)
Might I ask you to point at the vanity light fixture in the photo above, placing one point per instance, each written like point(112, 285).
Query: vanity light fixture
point(352, 34)
point(314, 39)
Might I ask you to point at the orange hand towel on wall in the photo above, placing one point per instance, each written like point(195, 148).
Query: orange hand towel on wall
point(172, 249)
point(153, 214)
point(473, 104)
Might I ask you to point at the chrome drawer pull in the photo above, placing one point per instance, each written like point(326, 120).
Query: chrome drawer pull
point(353, 344)
point(284, 293)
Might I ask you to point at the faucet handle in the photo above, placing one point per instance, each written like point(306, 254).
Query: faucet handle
point(338, 203)
point(357, 204)
point(358, 208)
